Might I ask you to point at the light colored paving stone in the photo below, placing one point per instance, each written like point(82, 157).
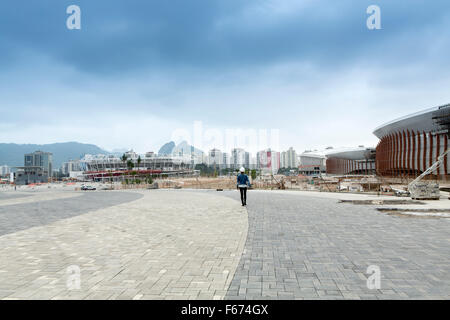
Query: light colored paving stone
point(165, 245)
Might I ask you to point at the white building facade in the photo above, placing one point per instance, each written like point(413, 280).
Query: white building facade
point(268, 161)
point(5, 170)
point(239, 158)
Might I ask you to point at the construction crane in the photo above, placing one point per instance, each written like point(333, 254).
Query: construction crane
point(412, 187)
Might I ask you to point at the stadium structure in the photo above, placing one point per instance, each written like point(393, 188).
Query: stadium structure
point(351, 161)
point(411, 144)
point(106, 167)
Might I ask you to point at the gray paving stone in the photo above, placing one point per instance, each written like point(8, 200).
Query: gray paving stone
point(18, 217)
point(321, 249)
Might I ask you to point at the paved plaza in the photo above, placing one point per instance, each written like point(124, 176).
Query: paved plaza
point(188, 244)
point(305, 247)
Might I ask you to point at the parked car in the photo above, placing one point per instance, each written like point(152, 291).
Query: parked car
point(88, 188)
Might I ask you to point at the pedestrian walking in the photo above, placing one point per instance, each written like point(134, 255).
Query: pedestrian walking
point(242, 183)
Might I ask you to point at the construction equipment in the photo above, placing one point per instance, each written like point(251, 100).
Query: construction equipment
point(424, 190)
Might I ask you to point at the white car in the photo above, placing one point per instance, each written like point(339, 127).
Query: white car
point(88, 188)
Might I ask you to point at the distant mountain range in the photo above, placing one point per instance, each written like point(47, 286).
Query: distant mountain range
point(183, 148)
point(12, 154)
point(166, 149)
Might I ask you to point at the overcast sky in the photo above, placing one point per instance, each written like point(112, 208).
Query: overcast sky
point(138, 71)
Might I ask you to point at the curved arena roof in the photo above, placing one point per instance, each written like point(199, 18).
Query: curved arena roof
point(430, 120)
point(360, 153)
point(352, 153)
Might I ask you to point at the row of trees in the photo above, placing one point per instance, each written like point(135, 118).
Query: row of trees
point(129, 163)
point(205, 170)
point(139, 180)
point(288, 171)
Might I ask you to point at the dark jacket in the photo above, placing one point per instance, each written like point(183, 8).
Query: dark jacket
point(243, 179)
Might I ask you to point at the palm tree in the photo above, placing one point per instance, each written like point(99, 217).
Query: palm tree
point(130, 166)
point(124, 159)
point(139, 160)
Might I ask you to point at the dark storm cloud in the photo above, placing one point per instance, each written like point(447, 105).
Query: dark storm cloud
point(128, 36)
point(141, 66)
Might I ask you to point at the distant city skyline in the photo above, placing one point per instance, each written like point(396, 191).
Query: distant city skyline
point(131, 77)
